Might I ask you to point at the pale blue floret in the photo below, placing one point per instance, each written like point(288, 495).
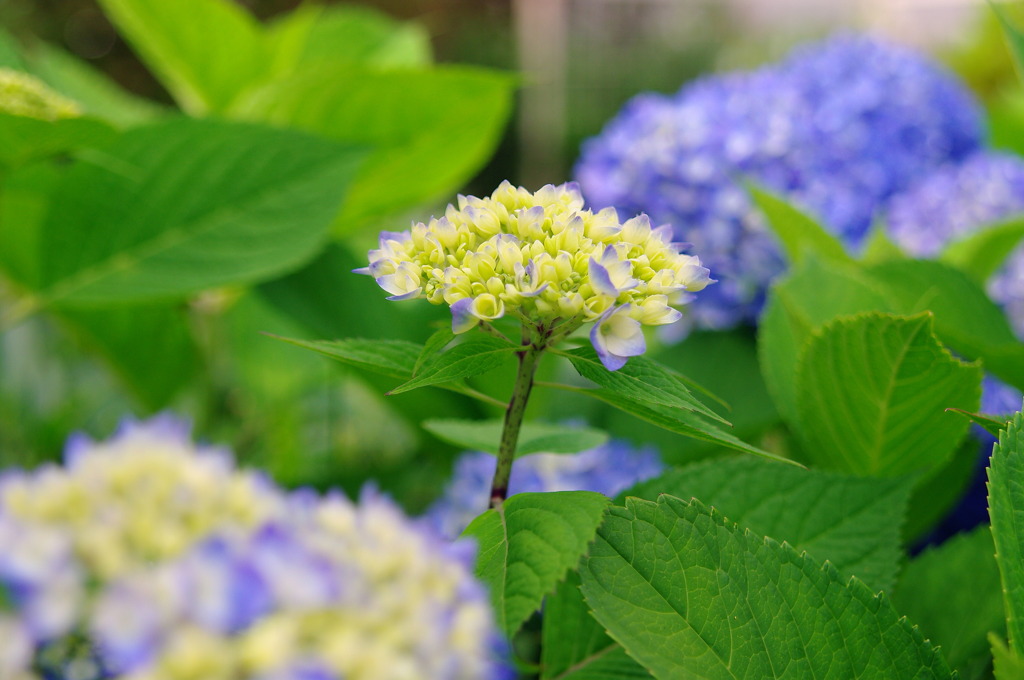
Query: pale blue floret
point(607, 469)
point(839, 152)
point(617, 336)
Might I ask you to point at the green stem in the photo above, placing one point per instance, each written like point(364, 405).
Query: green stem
point(514, 418)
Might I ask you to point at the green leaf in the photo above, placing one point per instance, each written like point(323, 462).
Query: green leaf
point(688, 594)
point(461, 361)
point(527, 545)
point(26, 197)
point(24, 139)
point(990, 424)
point(953, 593)
point(575, 647)
point(965, 318)
point(799, 233)
point(437, 341)
point(938, 493)
point(175, 38)
point(852, 522)
point(447, 120)
point(641, 379)
point(878, 247)
point(1006, 509)
point(484, 435)
point(362, 35)
point(872, 394)
point(97, 94)
point(812, 295)
point(1014, 38)
point(150, 347)
point(395, 358)
point(1006, 664)
point(681, 422)
point(981, 253)
point(184, 205)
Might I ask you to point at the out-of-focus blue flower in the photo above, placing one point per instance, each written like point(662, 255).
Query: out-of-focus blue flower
point(606, 469)
point(961, 199)
point(837, 127)
point(257, 584)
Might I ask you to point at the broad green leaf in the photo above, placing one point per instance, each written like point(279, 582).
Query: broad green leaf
point(812, 295)
point(689, 594)
point(97, 94)
point(575, 647)
point(484, 435)
point(982, 253)
point(1006, 509)
point(184, 205)
point(447, 120)
point(24, 139)
point(798, 232)
point(681, 422)
point(26, 200)
point(437, 341)
point(205, 52)
point(461, 361)
point(10, 52)
point(878, 247)
point(1006, 664)
point(965, 318)
point(852, 522)
point(953, 593)
point(527, 545)
point(936, 494)
point(872, 392)
point(641, 379)
point(150, 347)
point(395, 358)
point(361, 35)
point(1014, 38)
point(990, 424)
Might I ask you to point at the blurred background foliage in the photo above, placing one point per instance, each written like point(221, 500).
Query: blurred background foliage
point(309, 421)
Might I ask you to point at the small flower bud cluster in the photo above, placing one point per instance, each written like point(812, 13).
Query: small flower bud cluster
point(606, 469)
point(542, 258)
point(25, 95)
point(258, 585)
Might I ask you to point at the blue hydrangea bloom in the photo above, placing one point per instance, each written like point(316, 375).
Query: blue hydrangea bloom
point(147, 556)
point(957, 200)
point(838, 127)
point(606, 469)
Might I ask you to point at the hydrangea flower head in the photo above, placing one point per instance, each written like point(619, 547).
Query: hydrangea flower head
point(25, 95)
point(606, 469)
point(958, 200)
point(545, 260)
point(338, 590)
point(838, 152)
point(146, 494)
point(266, 585)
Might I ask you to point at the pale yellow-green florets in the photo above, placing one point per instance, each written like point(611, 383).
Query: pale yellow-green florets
point(25, 95)
point(144, 496)
point(541, 257)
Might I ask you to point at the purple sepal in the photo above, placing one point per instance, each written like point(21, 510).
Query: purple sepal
point(462, 316)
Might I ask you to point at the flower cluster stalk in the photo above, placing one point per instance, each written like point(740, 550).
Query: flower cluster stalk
point(528, 359)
